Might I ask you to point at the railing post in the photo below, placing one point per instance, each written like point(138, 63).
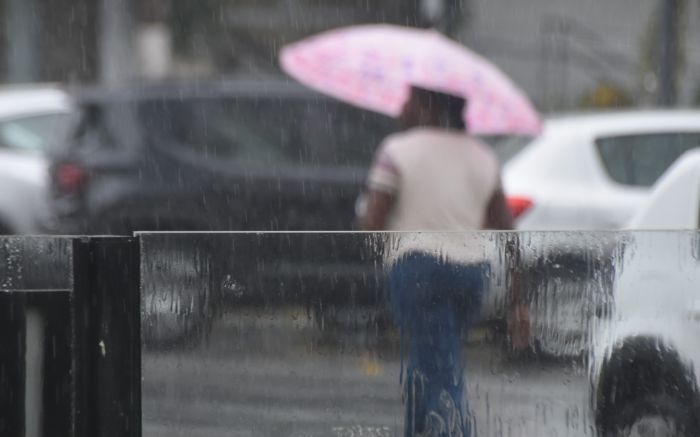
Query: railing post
point(70, 341)
point(12, 345)
point(107, 358)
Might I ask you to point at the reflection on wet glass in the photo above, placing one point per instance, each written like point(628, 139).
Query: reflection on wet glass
point(35, 264)
point(482, 334)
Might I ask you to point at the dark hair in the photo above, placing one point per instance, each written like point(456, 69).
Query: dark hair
point(449, 107)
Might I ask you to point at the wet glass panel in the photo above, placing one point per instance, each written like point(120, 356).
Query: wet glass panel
point(35, 264)
point(313, 334)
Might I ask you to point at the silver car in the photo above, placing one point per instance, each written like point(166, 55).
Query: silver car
point(594, 171)
point(31, 119)
point(646, 356)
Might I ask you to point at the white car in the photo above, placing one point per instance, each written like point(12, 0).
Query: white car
point(646, 355)
point(594, 171)
point(31, 118)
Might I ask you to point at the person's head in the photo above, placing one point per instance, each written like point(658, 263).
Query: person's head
point(432, 108)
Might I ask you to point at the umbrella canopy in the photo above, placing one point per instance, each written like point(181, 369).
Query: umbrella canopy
point(374, 66)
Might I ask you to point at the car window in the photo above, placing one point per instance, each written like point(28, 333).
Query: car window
point(336, 133)
point(505, 146)
point(640, 160)
point(269, 131)
point(33, 133)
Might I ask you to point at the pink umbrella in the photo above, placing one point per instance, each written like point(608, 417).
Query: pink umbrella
point(373, 67)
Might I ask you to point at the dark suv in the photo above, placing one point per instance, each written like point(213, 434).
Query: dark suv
point(226, 155)
point(219, 156)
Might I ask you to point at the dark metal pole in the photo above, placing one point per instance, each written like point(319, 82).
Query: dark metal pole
point(12, 369)
point(22, 27)
point(117, 375)
point(107, 355)
point(668, 52)
point(117, 60)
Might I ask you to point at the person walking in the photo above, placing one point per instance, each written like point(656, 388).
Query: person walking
point(434, 177)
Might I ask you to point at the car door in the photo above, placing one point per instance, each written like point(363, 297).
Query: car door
point(272, 164)
point(265, 163)
point(697, 224)
point(24, 142)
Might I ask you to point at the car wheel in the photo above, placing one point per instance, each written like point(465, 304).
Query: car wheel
point(655, 416)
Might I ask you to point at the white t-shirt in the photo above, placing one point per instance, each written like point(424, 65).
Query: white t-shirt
point(442, 180)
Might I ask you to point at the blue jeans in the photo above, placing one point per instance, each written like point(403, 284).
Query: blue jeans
point(434, 301)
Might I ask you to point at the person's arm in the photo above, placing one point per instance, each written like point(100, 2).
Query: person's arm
point(382, 188)
point(498, 215)
point(379, 204)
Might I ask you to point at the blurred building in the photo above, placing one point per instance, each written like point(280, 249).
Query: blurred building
point(563, 52)
point(89, 40)
point(44, 40)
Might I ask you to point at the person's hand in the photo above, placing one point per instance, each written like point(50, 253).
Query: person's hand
point(519, 327)
point(378, 206)
point(498, 214)
point(361, 207)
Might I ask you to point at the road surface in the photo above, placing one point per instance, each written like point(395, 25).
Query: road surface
point(277, 374)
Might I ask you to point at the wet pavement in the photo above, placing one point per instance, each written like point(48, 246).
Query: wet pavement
point(279, 375)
